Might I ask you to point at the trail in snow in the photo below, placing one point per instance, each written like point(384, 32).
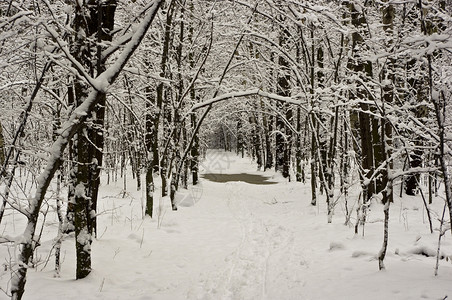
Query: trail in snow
point(263, 262)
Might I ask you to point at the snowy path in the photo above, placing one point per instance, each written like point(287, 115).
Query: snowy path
point(262, 262)
point(235, 240)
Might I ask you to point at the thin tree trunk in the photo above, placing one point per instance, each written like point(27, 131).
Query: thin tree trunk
point(2, 147)
point(194, 152)
point(386, 132)
point(313, 161)
point(268, 125)
point(440, 109)
point(59, 238)
point(299, 151)
point(360, 66)
point(151, 147)
point(163, 102)
point(284, 135)
point(345, 167)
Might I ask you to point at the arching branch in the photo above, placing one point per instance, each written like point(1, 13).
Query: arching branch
point(251, 92)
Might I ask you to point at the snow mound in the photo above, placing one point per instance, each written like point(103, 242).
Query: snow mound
point(427, 251)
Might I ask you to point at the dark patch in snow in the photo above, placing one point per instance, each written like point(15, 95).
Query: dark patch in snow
point(336, 246)
point(426, 251)
point(248, 178)
point(360, 253)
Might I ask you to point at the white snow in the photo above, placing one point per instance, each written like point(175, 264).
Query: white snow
point(241, 241)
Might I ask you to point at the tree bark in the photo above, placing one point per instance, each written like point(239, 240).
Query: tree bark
point(386, 131)
point(2, 147)
point(358, 66)
point(95, 19)
point(284, 134)
point(163, 103)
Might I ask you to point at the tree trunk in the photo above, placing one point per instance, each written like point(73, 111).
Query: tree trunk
point(240, 138)
point(284, 134)
point(298, 147)
point(82, 208)
point(313, 162)
point(94, 18)
point(358, 66)
point(2, 160)
point(163, 94)
point(288, 142)
point(2, 147)
point(151, 146)
point(194, 152)
point(268, 127)
point(386, 131)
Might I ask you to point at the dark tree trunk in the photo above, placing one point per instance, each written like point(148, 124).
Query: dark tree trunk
point(151, 145)
point(359, 66)
point(256, 141)
point(95, 19)
point(2, 146)
point(194, 152)
point(240, 139)
point(163, 94)
point(284, 134)
point(268, 143)
point(69, 220)
point(299, 150)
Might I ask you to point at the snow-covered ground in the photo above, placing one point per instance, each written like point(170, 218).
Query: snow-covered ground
point(241, 241)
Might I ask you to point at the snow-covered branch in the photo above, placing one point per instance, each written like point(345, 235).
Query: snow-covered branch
point(251, 92)
point(63, 47)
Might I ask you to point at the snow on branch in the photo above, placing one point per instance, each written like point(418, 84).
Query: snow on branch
point(124, 35)
point(411, 171)
point(251, 92)
point(63, 47)
point(15, 17)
